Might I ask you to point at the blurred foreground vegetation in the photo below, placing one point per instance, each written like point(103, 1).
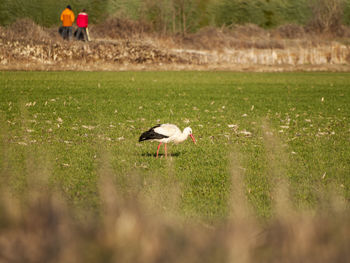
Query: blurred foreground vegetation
point(43, 228)
point(267, 181)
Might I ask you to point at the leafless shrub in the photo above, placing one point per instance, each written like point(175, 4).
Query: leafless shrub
point(118, 28)
point(327, 17)
point(27, 29)
point(289, 31)
point(249, 31)
point(207, 38)
point(346, 31)
point(214, 38)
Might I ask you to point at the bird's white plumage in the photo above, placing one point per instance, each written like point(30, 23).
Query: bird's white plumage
point(174, 134)
point(167, 129)
point(170, 131)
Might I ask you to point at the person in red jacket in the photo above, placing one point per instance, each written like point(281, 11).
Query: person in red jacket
point(67, 18)
point(82, 23)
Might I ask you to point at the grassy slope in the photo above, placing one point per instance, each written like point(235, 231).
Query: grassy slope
point(64, 124)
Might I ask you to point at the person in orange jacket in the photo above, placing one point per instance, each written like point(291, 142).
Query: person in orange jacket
point(67, 18)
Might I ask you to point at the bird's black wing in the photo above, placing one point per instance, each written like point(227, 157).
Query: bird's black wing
point(151, 135)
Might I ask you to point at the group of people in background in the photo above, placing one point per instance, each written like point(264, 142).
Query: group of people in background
point(68, 18)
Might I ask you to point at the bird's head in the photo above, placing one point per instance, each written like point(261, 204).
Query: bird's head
point(188, 131)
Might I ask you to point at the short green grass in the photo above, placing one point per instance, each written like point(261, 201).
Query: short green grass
point(291, 126)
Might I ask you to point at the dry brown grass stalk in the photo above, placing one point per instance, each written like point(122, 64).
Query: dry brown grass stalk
point(278, 163)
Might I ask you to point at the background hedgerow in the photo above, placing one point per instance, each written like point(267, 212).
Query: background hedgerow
point(179, 16)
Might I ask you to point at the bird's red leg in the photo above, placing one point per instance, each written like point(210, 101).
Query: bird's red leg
point(166, 153)
point(158, 149)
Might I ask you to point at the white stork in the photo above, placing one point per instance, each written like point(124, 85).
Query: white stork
point(165, 133)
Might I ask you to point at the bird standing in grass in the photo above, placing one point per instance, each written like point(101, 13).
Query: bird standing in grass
point(165, 133)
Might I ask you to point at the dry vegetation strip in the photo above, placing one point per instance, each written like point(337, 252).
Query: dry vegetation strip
point(25, 45)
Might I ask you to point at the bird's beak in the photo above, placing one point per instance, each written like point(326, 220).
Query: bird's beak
point(192, 137)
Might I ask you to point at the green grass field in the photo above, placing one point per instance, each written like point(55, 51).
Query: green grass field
point(67, 127)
